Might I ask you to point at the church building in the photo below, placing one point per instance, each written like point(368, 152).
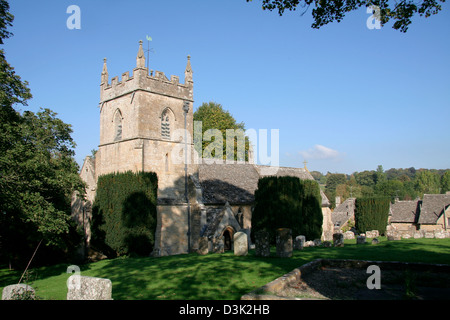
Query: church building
point(146, 124)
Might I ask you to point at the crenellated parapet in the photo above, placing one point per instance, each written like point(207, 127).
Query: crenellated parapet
point(155, 82)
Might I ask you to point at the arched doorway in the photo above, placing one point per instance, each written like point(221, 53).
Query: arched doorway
point(228, 239)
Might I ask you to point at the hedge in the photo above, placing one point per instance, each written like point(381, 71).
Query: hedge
point(371, 213)
point(124, 213)
point(288, 202)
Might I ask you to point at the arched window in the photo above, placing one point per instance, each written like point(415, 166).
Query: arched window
point(117, 125)
point(165, 124)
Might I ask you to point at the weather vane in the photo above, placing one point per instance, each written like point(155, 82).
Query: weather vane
point(148, 50)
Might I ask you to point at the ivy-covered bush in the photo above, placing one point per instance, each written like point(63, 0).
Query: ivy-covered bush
point(124, 213)
point(288, 202)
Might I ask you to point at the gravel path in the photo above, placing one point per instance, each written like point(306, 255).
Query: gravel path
point(351, 284)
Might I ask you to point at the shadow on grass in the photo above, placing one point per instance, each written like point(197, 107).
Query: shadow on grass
point(219, 276)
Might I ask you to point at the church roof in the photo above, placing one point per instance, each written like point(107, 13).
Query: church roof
point(237, 183)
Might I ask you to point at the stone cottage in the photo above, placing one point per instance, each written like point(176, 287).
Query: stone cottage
point(143, 121)
point(418, 218)
point(343, 213)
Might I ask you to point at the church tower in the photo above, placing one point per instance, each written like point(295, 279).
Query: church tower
point(142, 124)
point(142, 128)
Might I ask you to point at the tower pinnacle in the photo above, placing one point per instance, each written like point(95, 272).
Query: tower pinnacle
point(188, 71)
point(104, 73)
point(140, 60)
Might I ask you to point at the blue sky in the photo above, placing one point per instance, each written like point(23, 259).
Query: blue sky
point(344, 97)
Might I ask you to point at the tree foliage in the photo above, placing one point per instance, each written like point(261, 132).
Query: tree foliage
point(288, 202)
point(124, 213)
point(37, 171)
point(404, 184)
point(324, 12)
point(445, 182)
point(214, 117)
point(427, 182)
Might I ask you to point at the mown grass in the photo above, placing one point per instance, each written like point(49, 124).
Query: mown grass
point(217, 276)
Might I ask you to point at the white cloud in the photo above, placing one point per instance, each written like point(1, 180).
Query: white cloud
point(319, 152)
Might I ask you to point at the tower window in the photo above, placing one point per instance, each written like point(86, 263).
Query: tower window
point(166, 162)
point(117, 126)
point(165, 125)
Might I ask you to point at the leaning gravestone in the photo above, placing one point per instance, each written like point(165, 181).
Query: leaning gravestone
point(338, 239)
point(240, 244)
point(16, 292)
point(299, 242)
point(88, 288)
point(203, 246)
point(262, 244)
point(360, 239)
point(284, 242)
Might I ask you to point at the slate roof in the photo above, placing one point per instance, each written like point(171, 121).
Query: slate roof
point(405, 211)
point(343, 212)
point(237, 183)
point(432, 207)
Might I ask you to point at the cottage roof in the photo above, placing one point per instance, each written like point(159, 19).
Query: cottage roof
point(405, 211)
point(432, 207)
point(344, 212)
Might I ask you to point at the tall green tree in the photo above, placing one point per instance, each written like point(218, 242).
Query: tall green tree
point(334, 180)
point(37, 171)
point(215, 122)
point(380, 175)
point(324, 12)
point(445, 182)
point(427, 182)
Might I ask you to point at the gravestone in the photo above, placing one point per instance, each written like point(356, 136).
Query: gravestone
point(360, 239)
point(299, 242)
point(309, 243)
point(338, 240)
point(317, 242)
point(203, 246)
point(14, 291)
point(327, 244)
point(375, 241)
point(240, 244)
point(284, 242)
point(262, 244)
point(349, 235)
point(88, 288)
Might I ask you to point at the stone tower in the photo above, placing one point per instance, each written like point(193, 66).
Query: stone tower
point(142, 122)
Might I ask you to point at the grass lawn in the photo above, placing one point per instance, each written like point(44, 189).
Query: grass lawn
point(217, 276)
